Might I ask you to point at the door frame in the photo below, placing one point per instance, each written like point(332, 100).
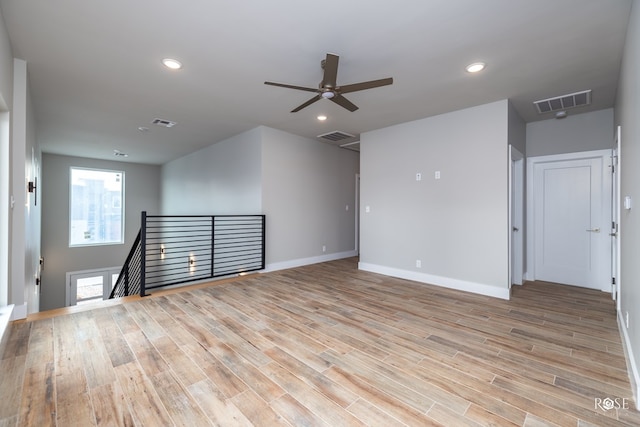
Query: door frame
point(605, 156)
point(516, 216)
point(615, 213)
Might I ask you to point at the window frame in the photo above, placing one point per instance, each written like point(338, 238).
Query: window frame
point(122, 207)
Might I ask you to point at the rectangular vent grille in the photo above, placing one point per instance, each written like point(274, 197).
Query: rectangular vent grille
point(336, 136)
point(164, 123)
point(563, 102)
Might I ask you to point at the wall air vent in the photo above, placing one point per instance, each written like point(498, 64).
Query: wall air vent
point(572, 100)
point(353, 146)
point(163, 123)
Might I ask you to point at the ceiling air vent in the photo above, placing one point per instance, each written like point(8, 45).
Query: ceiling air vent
point(572, 100)
point(336, 136)
point(163, 123)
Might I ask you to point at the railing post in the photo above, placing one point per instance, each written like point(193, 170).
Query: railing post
point(213, 236)
point(126, 281)
point(143, 252)
point(264, 240)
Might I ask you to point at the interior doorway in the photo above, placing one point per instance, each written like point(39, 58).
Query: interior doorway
point(569, 217)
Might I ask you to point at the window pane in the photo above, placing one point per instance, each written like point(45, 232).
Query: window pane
point(96, 207)
point(89, 288)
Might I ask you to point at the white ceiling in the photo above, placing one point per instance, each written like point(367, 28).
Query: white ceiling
point(95, 71)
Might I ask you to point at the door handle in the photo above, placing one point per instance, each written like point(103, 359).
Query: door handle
point(613, 234)
point(516, 229)
point(593, 230)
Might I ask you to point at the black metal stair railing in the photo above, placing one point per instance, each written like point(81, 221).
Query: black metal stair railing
point(129, 279)
point(184, 248)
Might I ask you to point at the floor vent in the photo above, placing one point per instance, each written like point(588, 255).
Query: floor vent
point(558, 103)
point(163, 123)
point(336, 136)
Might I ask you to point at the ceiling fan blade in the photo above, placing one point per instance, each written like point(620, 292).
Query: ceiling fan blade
point(344, 102)
point(306, 104)
point(308, 89)
point(330, 71)
point(365, 85)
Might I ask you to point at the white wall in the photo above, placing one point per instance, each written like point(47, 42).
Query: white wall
point(25, 222)
point(223, 178)
point(142, 193)
point(456, 226)
point(308, 193)
point(577, 132)
point(6, 68)
point(627, 114)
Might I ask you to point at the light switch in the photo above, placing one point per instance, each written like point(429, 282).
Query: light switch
point(418, 176)
point(367, 209)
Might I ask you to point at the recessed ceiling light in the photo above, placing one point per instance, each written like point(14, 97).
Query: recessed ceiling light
point(322, 117)
point(173, 64)
point(475, 67)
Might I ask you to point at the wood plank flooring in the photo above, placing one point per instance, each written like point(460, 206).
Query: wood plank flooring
point(322, 345)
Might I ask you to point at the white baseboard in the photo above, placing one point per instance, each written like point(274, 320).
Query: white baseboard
point(19, 312)
point(308, 261)
point(632, 368)
point(445, 282)
point(5, 317)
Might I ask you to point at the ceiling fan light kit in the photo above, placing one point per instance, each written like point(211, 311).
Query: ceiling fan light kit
point(329, 89)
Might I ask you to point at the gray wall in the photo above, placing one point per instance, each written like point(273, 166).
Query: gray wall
point(627, 116)
point(142, 193)
point(457, 225)
point(302, 185)
point(576, 132)
point(306, 188)
point(223, 178)
point(517, 130)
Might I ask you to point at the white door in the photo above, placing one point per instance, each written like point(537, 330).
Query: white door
point(572, 220)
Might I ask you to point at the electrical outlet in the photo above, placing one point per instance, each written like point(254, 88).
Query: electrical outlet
point(437, 175)
point(627, 319)
point(324, 248)
point(418, 263)
point(418, 176)
point(367, 209)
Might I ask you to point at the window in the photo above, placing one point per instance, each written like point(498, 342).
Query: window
point(96, 207)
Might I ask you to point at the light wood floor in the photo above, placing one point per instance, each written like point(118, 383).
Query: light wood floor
point(322, 345)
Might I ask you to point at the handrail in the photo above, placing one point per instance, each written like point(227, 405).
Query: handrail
point(124, 285)
point(177, 249)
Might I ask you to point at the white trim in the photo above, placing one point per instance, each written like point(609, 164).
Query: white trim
point(632, 368)
point(5, 317)
point(445, 282)
point(19, 312)
point(308, 261)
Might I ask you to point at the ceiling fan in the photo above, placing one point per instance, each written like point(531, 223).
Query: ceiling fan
point(329, 88)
